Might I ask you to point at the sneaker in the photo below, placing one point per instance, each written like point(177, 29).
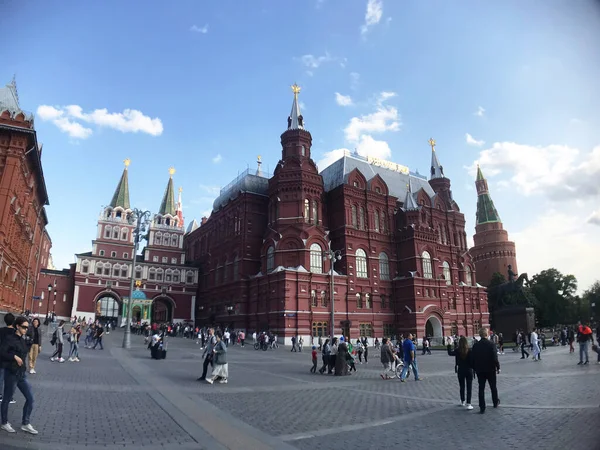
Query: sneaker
point(61, 360)
point(580, 363)
point(70, 359)
point(497, 404)
point(52, 359)
point(402, 380)
point(32, 371)
point(462, 403)
point(8, 428)
point(586, 363)
point(209, 380)
point(223, 381)
point(76, 359)
point(469, 406)
point(29, 429)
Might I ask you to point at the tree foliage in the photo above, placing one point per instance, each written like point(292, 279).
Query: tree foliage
point(555, 299)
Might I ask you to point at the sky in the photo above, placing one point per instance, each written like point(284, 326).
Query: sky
point(205, 87)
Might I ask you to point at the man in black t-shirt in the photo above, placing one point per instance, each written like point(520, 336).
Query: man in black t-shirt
point(99, 334)
point(9, 319)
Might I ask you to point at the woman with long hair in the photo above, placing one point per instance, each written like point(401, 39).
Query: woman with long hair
point(463, 366)
point(35, 335)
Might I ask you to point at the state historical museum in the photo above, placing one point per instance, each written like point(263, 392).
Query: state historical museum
point(403, 264)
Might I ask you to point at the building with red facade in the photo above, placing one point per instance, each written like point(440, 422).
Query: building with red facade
point(493, 252)
point(24, 241)
point(97, 285)
point(404, 263)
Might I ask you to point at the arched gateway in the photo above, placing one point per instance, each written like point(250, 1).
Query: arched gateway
point(434, 330)
point(162, 309)
point(108, 308)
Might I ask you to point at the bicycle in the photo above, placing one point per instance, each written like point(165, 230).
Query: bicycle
point(261, 345)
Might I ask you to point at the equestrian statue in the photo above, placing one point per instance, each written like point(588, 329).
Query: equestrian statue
point(503, 292)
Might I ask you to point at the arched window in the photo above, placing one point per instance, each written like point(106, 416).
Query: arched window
point(85, 267)
point(159, 274)
point(427, 268)
point(313, 298)
point(316, 258)
point(359, 302)
point(138, 272)
point(99, 268)
point(174, 240)
point(116, 270)
point(124, 270)
point(447, 274)
point(361, 264)
point(383, 222)
point(152, 274)
point(236, 269)
point(115, 234)
point(368, 304)
point(376, 216)
point(354, 219)
point(124, 234)
point(176, 276)
point(158, 238)
point(107, 231)
point(165, 239)
point(315, 212)
point(168, 275)
point(189, 277)
point(270, 258)
point(384, 266)
point(361, 218)
point(468, 279)
point(107, 269)
point(306, 210)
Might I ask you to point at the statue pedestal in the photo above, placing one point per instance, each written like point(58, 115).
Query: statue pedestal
point(508, 320)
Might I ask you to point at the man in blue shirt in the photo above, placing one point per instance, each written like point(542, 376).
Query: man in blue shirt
point(408, 348)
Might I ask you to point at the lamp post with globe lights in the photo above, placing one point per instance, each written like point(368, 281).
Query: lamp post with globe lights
point(332, 256)
point(141, 218)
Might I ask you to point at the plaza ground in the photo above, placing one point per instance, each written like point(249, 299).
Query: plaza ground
point(117, 398)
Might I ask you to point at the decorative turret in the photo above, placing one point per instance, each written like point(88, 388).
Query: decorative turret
point(180, 209)
point(409, 202)
point(121, 195)
point(437, 180)
point(10, 110)
point(486, 211)
point(167, 206)
point(296, 141)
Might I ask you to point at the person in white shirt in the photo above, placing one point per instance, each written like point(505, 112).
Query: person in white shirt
point(536, 345)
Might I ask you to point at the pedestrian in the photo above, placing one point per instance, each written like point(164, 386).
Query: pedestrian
point(486, 365)
point(300, 344)
point(293, 344)
point(8, 330)
point(410, 352)
point(99, 335)
point(13, 353)
point(523, 341)
point(208, 353)
point(320, 343)
point(333, 355)
point(242, 336)
point(501, 344)
point(74, 336)
point(313, 356)
point(365, 344)
point(536, 346)
point(326, 352)
point(35, 335)
point(59, 339)
point(463, 366)
point(584, 337)
point(221, 368)
point(359, 350)
point(386, 359)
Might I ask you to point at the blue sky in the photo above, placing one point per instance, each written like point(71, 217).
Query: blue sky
point(210, 84)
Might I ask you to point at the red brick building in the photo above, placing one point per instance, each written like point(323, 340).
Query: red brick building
point(166, 285)
point(24, 241)
point(493, 252)
point(404, 263)
point(54, 293)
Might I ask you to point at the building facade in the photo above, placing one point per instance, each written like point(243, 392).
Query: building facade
point(24, 241)
point(492, 252)
point(165, 285)
point(403, 265)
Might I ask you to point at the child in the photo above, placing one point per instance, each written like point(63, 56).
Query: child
point(314, 359)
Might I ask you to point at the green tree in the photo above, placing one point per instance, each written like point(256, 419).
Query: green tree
point(555, 300)
point(592, 297)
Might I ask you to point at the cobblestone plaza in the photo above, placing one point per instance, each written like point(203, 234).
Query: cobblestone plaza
point(119, 398)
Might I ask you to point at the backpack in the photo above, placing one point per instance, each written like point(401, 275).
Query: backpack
point(54, 338)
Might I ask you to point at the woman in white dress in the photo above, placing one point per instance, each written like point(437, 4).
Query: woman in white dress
point(221, 368)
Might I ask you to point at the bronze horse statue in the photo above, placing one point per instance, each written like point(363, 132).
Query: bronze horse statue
point(511, 287)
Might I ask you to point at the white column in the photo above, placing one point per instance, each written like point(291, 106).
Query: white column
point(75, 301)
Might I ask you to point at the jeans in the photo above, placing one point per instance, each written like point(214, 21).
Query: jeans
point(11, 382)
point(207, 360)
point(583, 348)
point(407, 365)
point(58, 351)
point(325, 363)
point(99, 341)
point(490, 377)
point(74, 353)
point(465, 376)
point(523, 351)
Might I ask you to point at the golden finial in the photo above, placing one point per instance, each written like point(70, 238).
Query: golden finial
point(138, 283)
point(171, 171)
point(126, 161)
point(259, 158)
point(180, 189)
point(432, 143)
point(296, 89)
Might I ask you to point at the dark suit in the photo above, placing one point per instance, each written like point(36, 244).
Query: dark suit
point(485, 364)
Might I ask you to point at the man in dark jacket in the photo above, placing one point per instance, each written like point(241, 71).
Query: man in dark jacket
point(5, 331)
point(486, 365)
point(13, 353)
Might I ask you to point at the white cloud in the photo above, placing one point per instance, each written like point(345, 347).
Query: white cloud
point(472, 141)
point(312, 62)
point(480, 111)
point(197, 29)
point(386, 118)
point(331, 157)
point(73, 129)
point(129, 121)
point(384, 96)
point(354, 80)
point(213, 190)
point(594, 219)
point(372, 147)
point(372, 15)
point(343, 100)
point(217, 159)
point(578, 243)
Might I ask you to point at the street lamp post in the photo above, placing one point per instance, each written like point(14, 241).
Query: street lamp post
point(48, 307)
point(333, 256)
point(142, 218)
